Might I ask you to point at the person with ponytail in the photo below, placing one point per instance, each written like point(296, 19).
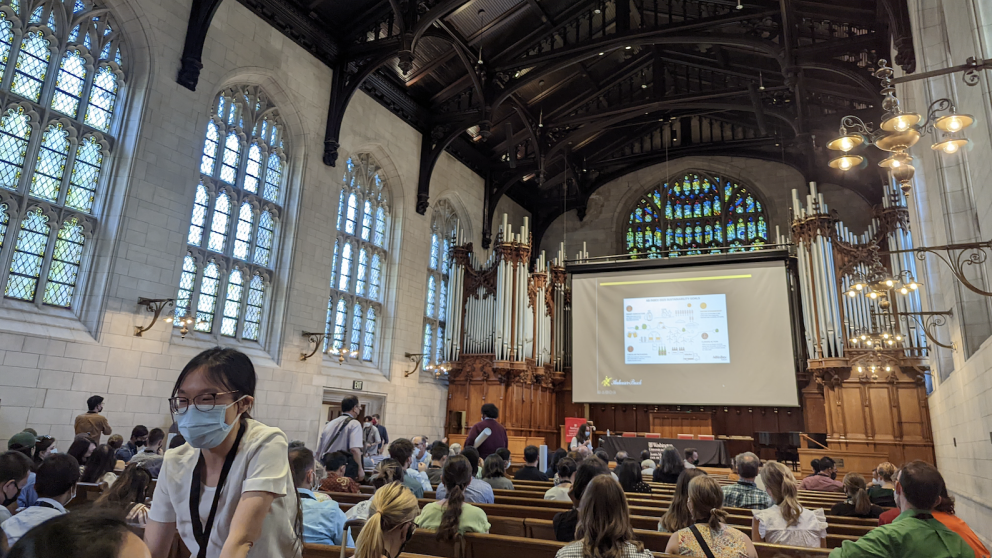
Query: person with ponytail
point(452, 516)
point(386, 472)
point(603, 529)
point(787, 522)
point(390, 524)
point(709, 530)
point(858, 504)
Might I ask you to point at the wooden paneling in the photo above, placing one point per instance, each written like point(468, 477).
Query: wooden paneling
point(670, 425)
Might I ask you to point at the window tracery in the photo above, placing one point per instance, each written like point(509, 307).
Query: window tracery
point(444, 221)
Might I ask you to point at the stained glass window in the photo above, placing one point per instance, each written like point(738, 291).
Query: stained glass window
point(443, 223)
point(85, 174)
point(69, 84)
point(6, 41)
point(65, 264)
point(103, 97)
point(50, 169)
point(14, 135)
point(207, 300)
point(32, 66)
point(185, 296)
point(697, 214)
point(359, 254)
point(29, 254)
point(244, 131)
point(340, 317)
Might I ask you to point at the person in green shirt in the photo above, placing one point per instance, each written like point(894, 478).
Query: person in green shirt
point(452, 516)
point(915, 533)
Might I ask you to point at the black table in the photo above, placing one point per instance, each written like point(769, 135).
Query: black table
point(712, 453)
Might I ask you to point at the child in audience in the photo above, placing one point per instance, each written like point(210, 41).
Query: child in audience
point(858, 504)
point(494, 473)
point(678, 516)
point(224, 447)
point(709, 530)
point(882, 491)
point(565, 475)
point(128, 494)
point(87, 534)
point(604, 530)
point(55, 483)
point(787, 522)
point(390, 525)
point(453, 516)
point(100, 466)
point(565, 522)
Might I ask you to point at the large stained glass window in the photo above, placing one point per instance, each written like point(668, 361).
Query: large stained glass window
point(52, 154)
point(232, 223)
point(358, 267)
point(696, 214)
point(443, 223)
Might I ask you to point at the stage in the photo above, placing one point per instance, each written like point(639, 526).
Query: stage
point(712, 453)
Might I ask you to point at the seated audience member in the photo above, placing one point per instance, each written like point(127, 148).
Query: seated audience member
point(745, 493)
point(605, 458)
point(439, 455)
point(629, 474)
point(15, 469)
point(478, 492)
point(91, 534)
point(530, 471)
point(647, 469)
point(151, 457)
point(24, 442)
point(787, 522)
point(421, 453)
point(128, 494)
point(565, 522)
point(56, 485)
point(603, 528)
point(584, 453)
point(944, 513)
point(454, 449)
point(81, 448)
point(691, 458)
point(139, 437)
point(390, 524)
point(557, 456)
point(323, 522)
point(709, 535)
point(645, 454)
point(916, 532)
point(882, 489)
point(670, 468)
point(336, 463)
point(505, 454)
point(565, 476)
point(620, 457)
point(825, 480)
point(452, 515)
point(401, 450)
point(857, 503)
point(100, 466)
point(386, 471)
point(677, 516)
point(44, 447)
point(115, 441)
point(494, 473)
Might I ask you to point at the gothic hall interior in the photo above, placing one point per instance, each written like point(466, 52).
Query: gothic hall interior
point(734, 225)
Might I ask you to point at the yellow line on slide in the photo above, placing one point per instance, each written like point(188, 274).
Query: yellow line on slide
point(674, 280)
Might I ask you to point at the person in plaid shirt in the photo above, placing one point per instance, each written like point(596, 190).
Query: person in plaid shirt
point(746, 494)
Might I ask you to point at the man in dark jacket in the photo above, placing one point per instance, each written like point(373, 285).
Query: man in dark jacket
point(487, 435)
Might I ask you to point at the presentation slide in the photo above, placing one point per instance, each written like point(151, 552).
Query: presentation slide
point(718, 334)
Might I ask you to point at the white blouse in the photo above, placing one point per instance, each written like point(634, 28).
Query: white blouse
point(807, 531)
point(260, 465)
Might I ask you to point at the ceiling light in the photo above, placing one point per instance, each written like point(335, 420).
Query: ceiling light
point(846, 142)
point(954, 122)
point(597, 11)
point(602, 53)
point(626, 48)
point(950, 146)
point(846, 162)
point(900, 122)
point(644, 86)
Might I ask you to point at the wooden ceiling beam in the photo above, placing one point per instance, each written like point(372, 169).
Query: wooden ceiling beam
point(452, 89)
point(426, 70)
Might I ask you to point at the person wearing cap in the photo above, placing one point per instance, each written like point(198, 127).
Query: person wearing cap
point(92, 423)
point(24, 442)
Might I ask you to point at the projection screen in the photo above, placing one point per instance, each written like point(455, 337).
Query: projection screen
point(692, 335)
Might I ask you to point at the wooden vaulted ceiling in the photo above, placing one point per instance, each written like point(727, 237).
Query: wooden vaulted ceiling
point(550, 99)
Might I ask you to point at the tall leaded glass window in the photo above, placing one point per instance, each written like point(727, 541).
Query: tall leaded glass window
point(444, 221)
point(696, 214)
point(358, 267)
point(233, 224)
point(53, 62)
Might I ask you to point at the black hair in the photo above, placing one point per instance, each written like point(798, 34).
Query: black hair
point(439, 451)
point(493, 467)
point(504, 453)
point(90, 534)
point(921, 484)
point(671, 463)
point(566, 468)
point(689, 452)
point(334, 461)
point(472, 454)
point(14, 466)
point(139, 431)
point(815, 464)
point(228, 368)
point(645, 454)
point(297, 444)
point(56, 476)
point(300, 462)
point(602, 455)
point(177, 441)
point(556, 457)
point(531, 454)
point(490, 411)
point(93, 402)
point(41, 445)
point(155, 436)
point(629, 474)
point(826, 463)
point(583, 433)
point(349, 403)
point(100, 463)
point(80, 445)
point(455, 477)
point(590, 469)
point(401, 450)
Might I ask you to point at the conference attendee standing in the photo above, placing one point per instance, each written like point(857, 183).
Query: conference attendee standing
point(787, 522)
point(56, 485)
point(709, 536)
point(233, 470)
point(604, 525)
point(382, 429)
point(858, 504)
point(825, 480)
point(583, 437)
point(745, 493)
point(92, 423)
point(345, 434)
point(915, 532)
point(529, 471)
point(487, 435)
point(139, 436)
point(371, 439)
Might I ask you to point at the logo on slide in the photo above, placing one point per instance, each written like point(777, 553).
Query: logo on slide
point(607, 381)
point(630, 308)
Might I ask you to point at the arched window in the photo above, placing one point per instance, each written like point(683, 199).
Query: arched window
point(443, 223)
point(696, 214)
point(357, 270)
point(62, 67)
point(233, 226)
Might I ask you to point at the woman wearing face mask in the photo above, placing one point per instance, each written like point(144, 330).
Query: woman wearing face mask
point(228, 491)
point(390, 524)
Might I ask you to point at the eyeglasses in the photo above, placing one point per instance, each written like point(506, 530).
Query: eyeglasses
point(203, 402)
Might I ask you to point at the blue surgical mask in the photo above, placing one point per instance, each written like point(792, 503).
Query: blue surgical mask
point(205, 429)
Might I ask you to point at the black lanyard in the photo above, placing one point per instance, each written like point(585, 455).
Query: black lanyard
point(47, 505)
point(201, 533)
point(305, 495)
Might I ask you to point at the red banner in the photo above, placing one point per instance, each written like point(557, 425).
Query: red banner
point(571, 429)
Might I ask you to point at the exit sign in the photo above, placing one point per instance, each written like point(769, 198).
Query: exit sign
point(356, 385)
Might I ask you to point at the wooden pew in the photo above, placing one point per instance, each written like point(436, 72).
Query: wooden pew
point(325, 551)
point(86, 494)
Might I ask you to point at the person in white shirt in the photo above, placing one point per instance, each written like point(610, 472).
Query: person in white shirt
point(55, 483)
point(691, 458)
point(647, 470)
point(787, 522)
point(566, 472)
point(582, 438)
point(345, 434)
point(420, 453)
point(233, 470)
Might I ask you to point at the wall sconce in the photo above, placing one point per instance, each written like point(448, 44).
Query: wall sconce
point(316, 339)
point(416, 358)
point(155, 306)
